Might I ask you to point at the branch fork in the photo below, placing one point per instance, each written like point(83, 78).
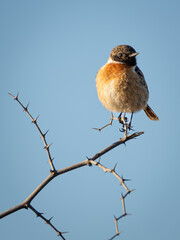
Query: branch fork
point(87, 162)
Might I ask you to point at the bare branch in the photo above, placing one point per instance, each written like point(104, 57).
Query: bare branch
point(86, 162)
point(116, 144)
point(117, 234)
point(67, 169)
point(128, 191)
point(110, 123)
point(117, 230)
point(54, 173)
point(123, 204)
point(116, 225)
point(110, 171)
point(28, 200)
point(48, 221)
point(43, 136)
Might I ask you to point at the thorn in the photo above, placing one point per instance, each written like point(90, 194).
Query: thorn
point(26, 108)
point(113, 169)
point(35, 119)
point(59, 234)
point(45, 133)
point(47, 146)
point(17, 95)
point(121, 130)
point(127, 193)
point(128, 214)
point(125, 179)
point(130, 190)
point(122, 196)
point(49, 220)
point(39, 214)
point(63, 232)
point(15, 98)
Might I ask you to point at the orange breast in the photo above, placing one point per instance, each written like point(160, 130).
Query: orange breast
point(120, 89)
point(111, 71)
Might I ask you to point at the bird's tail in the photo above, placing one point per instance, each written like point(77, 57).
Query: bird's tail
point(151, 115)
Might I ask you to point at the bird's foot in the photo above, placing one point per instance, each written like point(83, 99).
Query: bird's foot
point(130, 128)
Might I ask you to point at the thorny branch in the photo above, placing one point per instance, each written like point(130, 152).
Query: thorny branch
point(54, 173)
point(43, 135)
point(48, 221)
point(122, 182)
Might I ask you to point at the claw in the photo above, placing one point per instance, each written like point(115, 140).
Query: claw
point(130, 128)
point(121, 130)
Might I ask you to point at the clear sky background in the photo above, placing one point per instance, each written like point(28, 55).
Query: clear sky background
point(50, 52)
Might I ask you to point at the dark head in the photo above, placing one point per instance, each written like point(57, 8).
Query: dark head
point(124, 54)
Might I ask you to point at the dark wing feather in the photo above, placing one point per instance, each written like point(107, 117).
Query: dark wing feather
point(141, 77)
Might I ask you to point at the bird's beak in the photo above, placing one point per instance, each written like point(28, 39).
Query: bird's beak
point(133, 54)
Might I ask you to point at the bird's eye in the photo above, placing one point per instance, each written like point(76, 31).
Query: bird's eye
point(120, 55)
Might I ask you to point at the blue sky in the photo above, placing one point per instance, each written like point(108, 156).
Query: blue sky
point(50, 53)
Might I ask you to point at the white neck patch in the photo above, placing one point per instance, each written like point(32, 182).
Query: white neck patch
point(110, 60)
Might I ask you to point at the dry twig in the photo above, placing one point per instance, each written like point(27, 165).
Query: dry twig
point(54, 173)
point(122, 182)
point(43, 135)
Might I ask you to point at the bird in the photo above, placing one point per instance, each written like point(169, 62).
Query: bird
point(121, 86)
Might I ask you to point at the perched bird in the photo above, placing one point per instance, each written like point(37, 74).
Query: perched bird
point(121, 85)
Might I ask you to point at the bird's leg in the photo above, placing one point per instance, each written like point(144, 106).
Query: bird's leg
point(124, 123)
point(119, 118)
point(130, 122)
point(110, 123)
point(122, 120)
